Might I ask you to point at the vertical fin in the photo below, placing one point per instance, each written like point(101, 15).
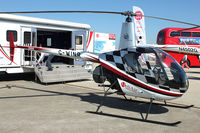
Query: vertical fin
point(140, 33)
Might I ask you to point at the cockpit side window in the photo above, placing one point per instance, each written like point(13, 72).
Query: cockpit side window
point(155, 68)
point(131, 63)
point(144, 63)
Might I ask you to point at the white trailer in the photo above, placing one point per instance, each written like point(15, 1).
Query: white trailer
point(30, 31)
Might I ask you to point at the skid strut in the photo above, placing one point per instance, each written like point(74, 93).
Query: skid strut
point(149, 109)
point(105, 94)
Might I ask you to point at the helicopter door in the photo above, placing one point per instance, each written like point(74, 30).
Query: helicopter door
point(79, 43)
point(28, 39)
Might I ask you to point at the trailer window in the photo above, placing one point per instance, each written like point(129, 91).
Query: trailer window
point(14, 32)
point(79, 40)
point(27, 37)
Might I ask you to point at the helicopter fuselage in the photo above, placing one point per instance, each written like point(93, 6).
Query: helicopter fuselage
point(142, 72)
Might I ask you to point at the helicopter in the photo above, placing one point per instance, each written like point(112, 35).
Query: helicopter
point(145, 71)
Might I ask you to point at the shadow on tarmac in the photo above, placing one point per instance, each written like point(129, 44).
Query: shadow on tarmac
point(110, 101)
point(19, 76)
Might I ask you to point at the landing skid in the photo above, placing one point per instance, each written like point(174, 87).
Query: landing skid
point(168, 104)
point(176, 105)
point(144, 117)
point(135, 119)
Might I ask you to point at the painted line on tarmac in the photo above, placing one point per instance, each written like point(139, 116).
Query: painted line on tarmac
point(89, 88)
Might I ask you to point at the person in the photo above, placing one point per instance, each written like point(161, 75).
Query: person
point(41, 58)
point(48, 62)
point(184, 62)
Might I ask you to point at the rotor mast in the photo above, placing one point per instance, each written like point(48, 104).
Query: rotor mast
point(127, 37)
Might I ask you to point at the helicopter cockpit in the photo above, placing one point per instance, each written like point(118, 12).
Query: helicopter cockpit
point(158, 68)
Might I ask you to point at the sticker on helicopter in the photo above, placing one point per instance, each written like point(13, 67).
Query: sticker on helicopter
point(128, 88)
point(68, 53)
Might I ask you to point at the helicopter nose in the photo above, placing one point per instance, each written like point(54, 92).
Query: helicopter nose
point(184, 86)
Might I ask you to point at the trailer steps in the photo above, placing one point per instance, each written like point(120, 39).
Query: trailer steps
point(61, 73)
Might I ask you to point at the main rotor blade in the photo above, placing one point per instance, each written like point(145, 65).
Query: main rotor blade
point(166, 19)
point(127, 13)
point(102, 12)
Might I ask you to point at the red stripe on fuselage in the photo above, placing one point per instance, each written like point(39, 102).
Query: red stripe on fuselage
point(31, 48)
point(94, 58)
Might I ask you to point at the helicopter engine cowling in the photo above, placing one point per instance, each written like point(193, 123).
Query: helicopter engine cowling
point(101, 74)
point(98, 75)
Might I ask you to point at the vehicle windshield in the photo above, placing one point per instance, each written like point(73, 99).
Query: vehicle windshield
point(157, 66)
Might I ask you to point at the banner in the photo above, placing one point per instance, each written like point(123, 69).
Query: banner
point(139, 27)
point(104, 42)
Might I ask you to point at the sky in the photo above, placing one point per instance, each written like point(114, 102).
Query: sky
point(182, 10)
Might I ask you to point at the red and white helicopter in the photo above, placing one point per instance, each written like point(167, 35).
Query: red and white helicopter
point(142, 71)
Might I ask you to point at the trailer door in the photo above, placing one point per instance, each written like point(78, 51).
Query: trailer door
point(79, 43)
point(29, 36)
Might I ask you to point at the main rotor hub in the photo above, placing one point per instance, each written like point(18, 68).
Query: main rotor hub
point(128, 19)
point(128, 13)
